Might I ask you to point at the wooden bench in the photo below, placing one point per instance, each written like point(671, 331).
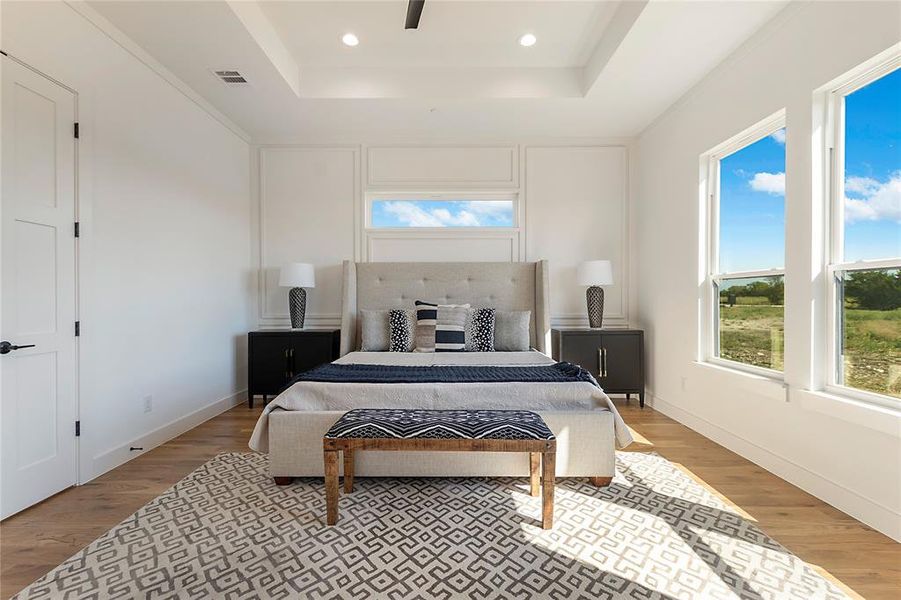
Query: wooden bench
point(437, 431)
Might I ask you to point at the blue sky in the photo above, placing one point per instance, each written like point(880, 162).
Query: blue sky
point(752, 186)
point(873, 170)
point(442, 213)
point(752, 206)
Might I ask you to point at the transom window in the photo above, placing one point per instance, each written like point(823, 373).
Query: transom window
point(401, 212)
point(746, 249)
point(865, 235)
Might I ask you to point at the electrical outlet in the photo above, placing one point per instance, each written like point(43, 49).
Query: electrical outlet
point(148, 404)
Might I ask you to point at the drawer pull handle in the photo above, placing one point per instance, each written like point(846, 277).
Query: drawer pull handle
point(602, 359)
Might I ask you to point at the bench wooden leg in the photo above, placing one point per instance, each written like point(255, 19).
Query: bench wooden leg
point(348, 471)
point(600, 481)
point(534, 472)
point(283, 480)
point(548, 460)
point(331, 486)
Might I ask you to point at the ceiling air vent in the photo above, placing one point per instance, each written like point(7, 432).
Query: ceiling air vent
point(231, 77)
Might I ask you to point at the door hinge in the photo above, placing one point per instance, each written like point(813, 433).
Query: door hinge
point(77, 428)
point(77, 229)
point(77, 328)
point(76, 130)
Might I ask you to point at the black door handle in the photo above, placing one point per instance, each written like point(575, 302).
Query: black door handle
point(6, 347)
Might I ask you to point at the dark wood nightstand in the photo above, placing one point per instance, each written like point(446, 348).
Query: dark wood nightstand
point(614, 356)
point(274, 357)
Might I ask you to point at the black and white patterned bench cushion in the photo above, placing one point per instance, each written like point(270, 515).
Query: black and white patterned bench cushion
point(441, 424)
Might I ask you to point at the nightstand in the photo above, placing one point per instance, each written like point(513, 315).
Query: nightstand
point(274, 357)
point(614, 356)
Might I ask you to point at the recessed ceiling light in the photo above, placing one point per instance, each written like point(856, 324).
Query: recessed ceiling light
point(350, 39)
point(527, 40)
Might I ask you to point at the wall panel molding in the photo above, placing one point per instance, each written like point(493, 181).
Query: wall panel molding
point(581, 197)
point(594, 225)
point(313, 202)
point(439, 167)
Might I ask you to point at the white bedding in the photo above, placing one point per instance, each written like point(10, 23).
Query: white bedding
point(325, 396)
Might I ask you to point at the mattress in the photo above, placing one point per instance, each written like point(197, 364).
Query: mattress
point(544, 396)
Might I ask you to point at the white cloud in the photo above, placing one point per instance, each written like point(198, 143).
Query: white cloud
point(861, 185)
point(474, 213)
point(779, 136)
point(412, 215)
point(491, 208)
point(771, 183)
point(881, 200)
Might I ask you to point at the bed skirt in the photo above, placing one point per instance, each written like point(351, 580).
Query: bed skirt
point(585, 448)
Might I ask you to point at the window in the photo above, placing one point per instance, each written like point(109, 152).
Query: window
point(746, 249)
point(400, 212)
point(865, 267)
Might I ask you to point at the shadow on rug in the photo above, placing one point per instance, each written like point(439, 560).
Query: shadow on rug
point(227, 531)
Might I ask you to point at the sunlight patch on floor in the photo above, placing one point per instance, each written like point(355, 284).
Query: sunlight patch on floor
point(732, 505)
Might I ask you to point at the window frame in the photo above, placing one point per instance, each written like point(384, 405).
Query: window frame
point(836, 265)
point(712, 275)
point(442, 197)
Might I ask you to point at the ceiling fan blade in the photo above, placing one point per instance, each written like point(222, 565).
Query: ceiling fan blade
point(414, 11)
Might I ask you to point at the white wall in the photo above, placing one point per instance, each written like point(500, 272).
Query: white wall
point(166, 287)
point(573, 205)
point(846, 453)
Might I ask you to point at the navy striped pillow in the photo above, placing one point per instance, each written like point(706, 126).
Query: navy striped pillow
point(440, 327)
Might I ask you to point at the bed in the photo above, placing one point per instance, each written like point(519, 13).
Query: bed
point(586, 423)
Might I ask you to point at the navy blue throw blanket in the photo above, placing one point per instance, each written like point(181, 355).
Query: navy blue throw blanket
point(561, 372)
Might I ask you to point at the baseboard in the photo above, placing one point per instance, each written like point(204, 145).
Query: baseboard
point(120, 455)
point(877, 516)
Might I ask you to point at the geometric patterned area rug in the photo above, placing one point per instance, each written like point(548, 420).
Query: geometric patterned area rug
point(227, 531)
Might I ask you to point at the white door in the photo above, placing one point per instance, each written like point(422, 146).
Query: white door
point(37, 298)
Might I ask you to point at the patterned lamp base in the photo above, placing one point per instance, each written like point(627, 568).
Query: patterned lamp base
point(595, 298)
point(297, 303)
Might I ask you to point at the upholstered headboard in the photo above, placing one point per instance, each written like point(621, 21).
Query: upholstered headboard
point(506, 286)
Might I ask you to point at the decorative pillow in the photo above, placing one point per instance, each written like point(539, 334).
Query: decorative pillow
point(374, 330)
point(451, 317)
point(511, 330)
point(480, 330)
point(401, 328)
point(450, 331)
point(426, 319)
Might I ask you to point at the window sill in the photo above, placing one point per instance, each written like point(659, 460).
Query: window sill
point(862, 397)
point(770, 384)
point(742, 369)
point(839, 405)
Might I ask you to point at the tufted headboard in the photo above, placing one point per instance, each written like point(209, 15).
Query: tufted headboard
point(506, 286)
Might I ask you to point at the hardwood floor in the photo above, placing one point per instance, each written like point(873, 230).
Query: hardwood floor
point(863, 561)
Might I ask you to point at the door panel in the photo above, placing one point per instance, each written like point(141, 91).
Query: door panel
point(582, 350)
point(623, 366)
point(36, 276)
point(35, 408)
point(37, 281)
point(270, 363)
point(35, 133)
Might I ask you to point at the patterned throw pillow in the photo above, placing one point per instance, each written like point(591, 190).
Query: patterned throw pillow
point(448, 319)
point(480, 330)
point(426, 319)
point(450, 331)
point(401, 326)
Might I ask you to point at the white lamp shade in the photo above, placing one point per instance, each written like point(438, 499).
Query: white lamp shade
point(595, 272)
point(297, 275)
